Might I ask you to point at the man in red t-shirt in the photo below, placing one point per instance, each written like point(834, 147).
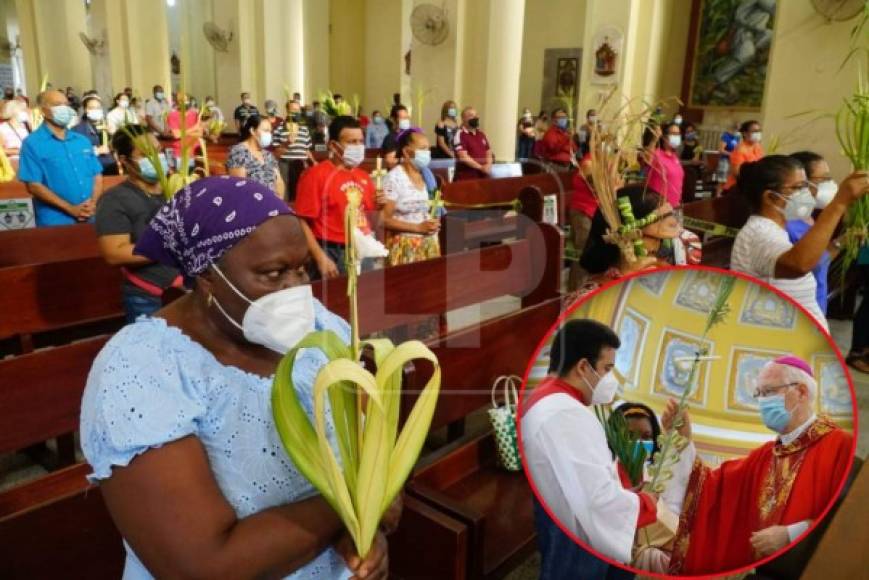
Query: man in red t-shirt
point(557, 146)
point(581, 209)
point(474, 157)
point(321, 197)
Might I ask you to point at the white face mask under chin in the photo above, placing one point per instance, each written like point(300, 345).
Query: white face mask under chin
point(605, 391)
point(278, 320)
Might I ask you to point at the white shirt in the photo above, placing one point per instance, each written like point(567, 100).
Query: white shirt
point(119, 117)
point(411, 203)
point(758, 246)
point(573, 469)
point(13, 137)
point(158, 110)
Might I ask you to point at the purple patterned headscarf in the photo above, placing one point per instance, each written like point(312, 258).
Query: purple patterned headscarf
point(205, 220)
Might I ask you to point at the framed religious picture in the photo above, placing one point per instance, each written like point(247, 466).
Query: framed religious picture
point(607, 56)
point(728, 54)
point(561, 71)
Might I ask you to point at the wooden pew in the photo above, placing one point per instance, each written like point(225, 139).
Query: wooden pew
point(717, 221)
point(58, 527)
point(464, 226)
point(16, 189)
point(46, 245)
point(57, 302)
point(463, 479)
point(528, 267)
point(40, 395)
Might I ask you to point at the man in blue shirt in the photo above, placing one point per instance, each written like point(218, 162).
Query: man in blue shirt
point(59, 166)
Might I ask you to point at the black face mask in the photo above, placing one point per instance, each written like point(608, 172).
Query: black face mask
point(474, 123)
point(294, 117)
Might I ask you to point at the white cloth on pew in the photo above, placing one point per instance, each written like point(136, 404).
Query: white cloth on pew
point(152, 385)
point(758, 246)
point(573, 470)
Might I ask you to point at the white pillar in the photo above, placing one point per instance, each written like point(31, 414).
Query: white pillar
point(504, 63)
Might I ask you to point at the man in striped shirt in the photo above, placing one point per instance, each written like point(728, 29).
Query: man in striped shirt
point(293, 140)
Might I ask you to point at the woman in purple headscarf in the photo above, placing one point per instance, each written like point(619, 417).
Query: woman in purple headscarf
point(176, 417)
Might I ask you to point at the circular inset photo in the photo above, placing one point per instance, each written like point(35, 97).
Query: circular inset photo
point(686, 422)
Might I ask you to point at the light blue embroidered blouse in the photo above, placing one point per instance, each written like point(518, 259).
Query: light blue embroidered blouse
point(152, 385)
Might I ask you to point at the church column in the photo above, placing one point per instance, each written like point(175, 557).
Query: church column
point(137, 46)
point(51, 45)
point(503, 63)
point(280, 45)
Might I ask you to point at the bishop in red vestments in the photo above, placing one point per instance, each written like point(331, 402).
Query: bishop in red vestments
point(749, 508)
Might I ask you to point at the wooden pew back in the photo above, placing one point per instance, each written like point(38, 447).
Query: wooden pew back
point(473, 358)
point(44, 245)
point(58, 527)
point(43, 297)
point(394, 296)
point(40, 392)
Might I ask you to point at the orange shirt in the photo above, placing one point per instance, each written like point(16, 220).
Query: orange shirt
point(744, 153)
point(321, 198)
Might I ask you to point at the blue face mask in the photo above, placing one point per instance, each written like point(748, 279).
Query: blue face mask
point(421, 158)
point(562, 123)
point(149, 172)
point(452, 113)
point(774, 413)
point(62, 115)
point(648, 445)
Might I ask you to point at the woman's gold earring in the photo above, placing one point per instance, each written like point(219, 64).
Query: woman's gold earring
point(210, 299)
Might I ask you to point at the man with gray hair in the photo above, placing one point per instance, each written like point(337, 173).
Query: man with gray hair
point(750, 508)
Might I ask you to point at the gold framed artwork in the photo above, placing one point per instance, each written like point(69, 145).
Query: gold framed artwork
point(834, 394)
point(743, 367)
point(763, 307)
point(673, 366)
point(632, 330)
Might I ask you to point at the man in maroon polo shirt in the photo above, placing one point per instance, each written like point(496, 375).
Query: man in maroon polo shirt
point(474, 157)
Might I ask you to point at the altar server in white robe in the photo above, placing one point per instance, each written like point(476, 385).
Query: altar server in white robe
point(565, 447)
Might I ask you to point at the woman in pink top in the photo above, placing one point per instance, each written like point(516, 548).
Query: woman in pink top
point(666, 174)
point(193, 129)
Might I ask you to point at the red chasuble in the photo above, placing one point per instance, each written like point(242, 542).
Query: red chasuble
point(774, 485)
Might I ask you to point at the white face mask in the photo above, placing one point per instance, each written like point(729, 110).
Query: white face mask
point(354, 155)
point(95, 114)
point(675, 141)
point(756, 137)
point(404, 124)
point(826, 192)
point(605, 391)
point(123, 104)
point(799, 206)
point(278, 320)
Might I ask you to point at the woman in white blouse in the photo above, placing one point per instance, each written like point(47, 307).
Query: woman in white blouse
point(13, 128)
point(778, 191)
point(411, 232)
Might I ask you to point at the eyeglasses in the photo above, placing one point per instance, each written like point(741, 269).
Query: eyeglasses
point(769, 390)
point(793, 188)
point(664, 216)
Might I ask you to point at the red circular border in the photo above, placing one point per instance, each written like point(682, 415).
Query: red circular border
point(623, 280)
